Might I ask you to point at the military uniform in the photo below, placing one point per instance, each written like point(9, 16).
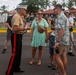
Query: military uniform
point(16, 41)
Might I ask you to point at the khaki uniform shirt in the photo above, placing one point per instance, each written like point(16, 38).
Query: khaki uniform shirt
point(17, 20)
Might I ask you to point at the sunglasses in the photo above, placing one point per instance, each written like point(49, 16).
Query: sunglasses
point(39, 13)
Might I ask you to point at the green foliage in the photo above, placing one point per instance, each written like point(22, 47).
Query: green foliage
point(32, 8)
point(4, 9)
point(63, 4)
point(69, 4)
point(74, 2)
point(34, 5)
point(54, 2)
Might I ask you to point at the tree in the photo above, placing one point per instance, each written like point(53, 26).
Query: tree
point(34, 5)
point(63, 4)
point(69, 4)
point(23, 0)
point(74, 2)
point(32, 9)
point(4, 9)
point(54, 2)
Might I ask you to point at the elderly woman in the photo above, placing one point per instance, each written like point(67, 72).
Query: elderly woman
point(38, 39)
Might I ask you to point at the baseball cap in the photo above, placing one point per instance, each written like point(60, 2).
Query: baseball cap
point(22, 7)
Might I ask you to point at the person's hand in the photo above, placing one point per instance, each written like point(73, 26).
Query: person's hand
point(28, 24)
point(37, 22)
point(5, 24)
point(27, 27)
point(46, 40)
point(31, 39)
point(56, 45)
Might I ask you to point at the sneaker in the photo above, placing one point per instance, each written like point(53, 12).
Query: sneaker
point(4, 51)
point(50, 65)
point(71, 54)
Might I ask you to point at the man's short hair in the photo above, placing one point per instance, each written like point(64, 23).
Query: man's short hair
point(59, 6)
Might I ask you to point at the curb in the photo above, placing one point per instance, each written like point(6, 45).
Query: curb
point(29, 31)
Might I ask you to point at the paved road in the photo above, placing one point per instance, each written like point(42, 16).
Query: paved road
point(26, 56)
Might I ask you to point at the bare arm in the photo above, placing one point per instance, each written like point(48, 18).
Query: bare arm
point(18, 28)
point(46, 31)
point(70, 25)
point(9, 27)
point(49, 35)
point(60, 34)
point(32, 33)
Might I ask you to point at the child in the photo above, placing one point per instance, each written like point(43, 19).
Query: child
point(51, 49)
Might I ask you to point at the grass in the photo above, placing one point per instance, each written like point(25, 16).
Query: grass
point(3, 28)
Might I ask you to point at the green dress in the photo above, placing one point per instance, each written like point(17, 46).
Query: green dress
point(38, 39)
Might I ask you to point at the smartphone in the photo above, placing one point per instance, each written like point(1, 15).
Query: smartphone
point(57, 50)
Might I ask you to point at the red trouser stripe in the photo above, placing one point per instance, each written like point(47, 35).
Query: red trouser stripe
point(13, 56)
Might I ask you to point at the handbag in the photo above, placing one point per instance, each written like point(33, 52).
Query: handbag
point(40, 28)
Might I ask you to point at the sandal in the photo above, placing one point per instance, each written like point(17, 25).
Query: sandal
point(50, 65)
point(54, 67)
point(31, 62)
point(39, 63)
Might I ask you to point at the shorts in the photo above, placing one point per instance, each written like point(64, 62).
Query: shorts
point(51, 44)
point(61, 49)
point(8, 36)
point(51, 51)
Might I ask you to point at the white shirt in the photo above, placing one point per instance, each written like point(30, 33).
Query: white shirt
point(71, 20)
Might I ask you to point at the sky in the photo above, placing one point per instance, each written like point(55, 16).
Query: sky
point(12, 4)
